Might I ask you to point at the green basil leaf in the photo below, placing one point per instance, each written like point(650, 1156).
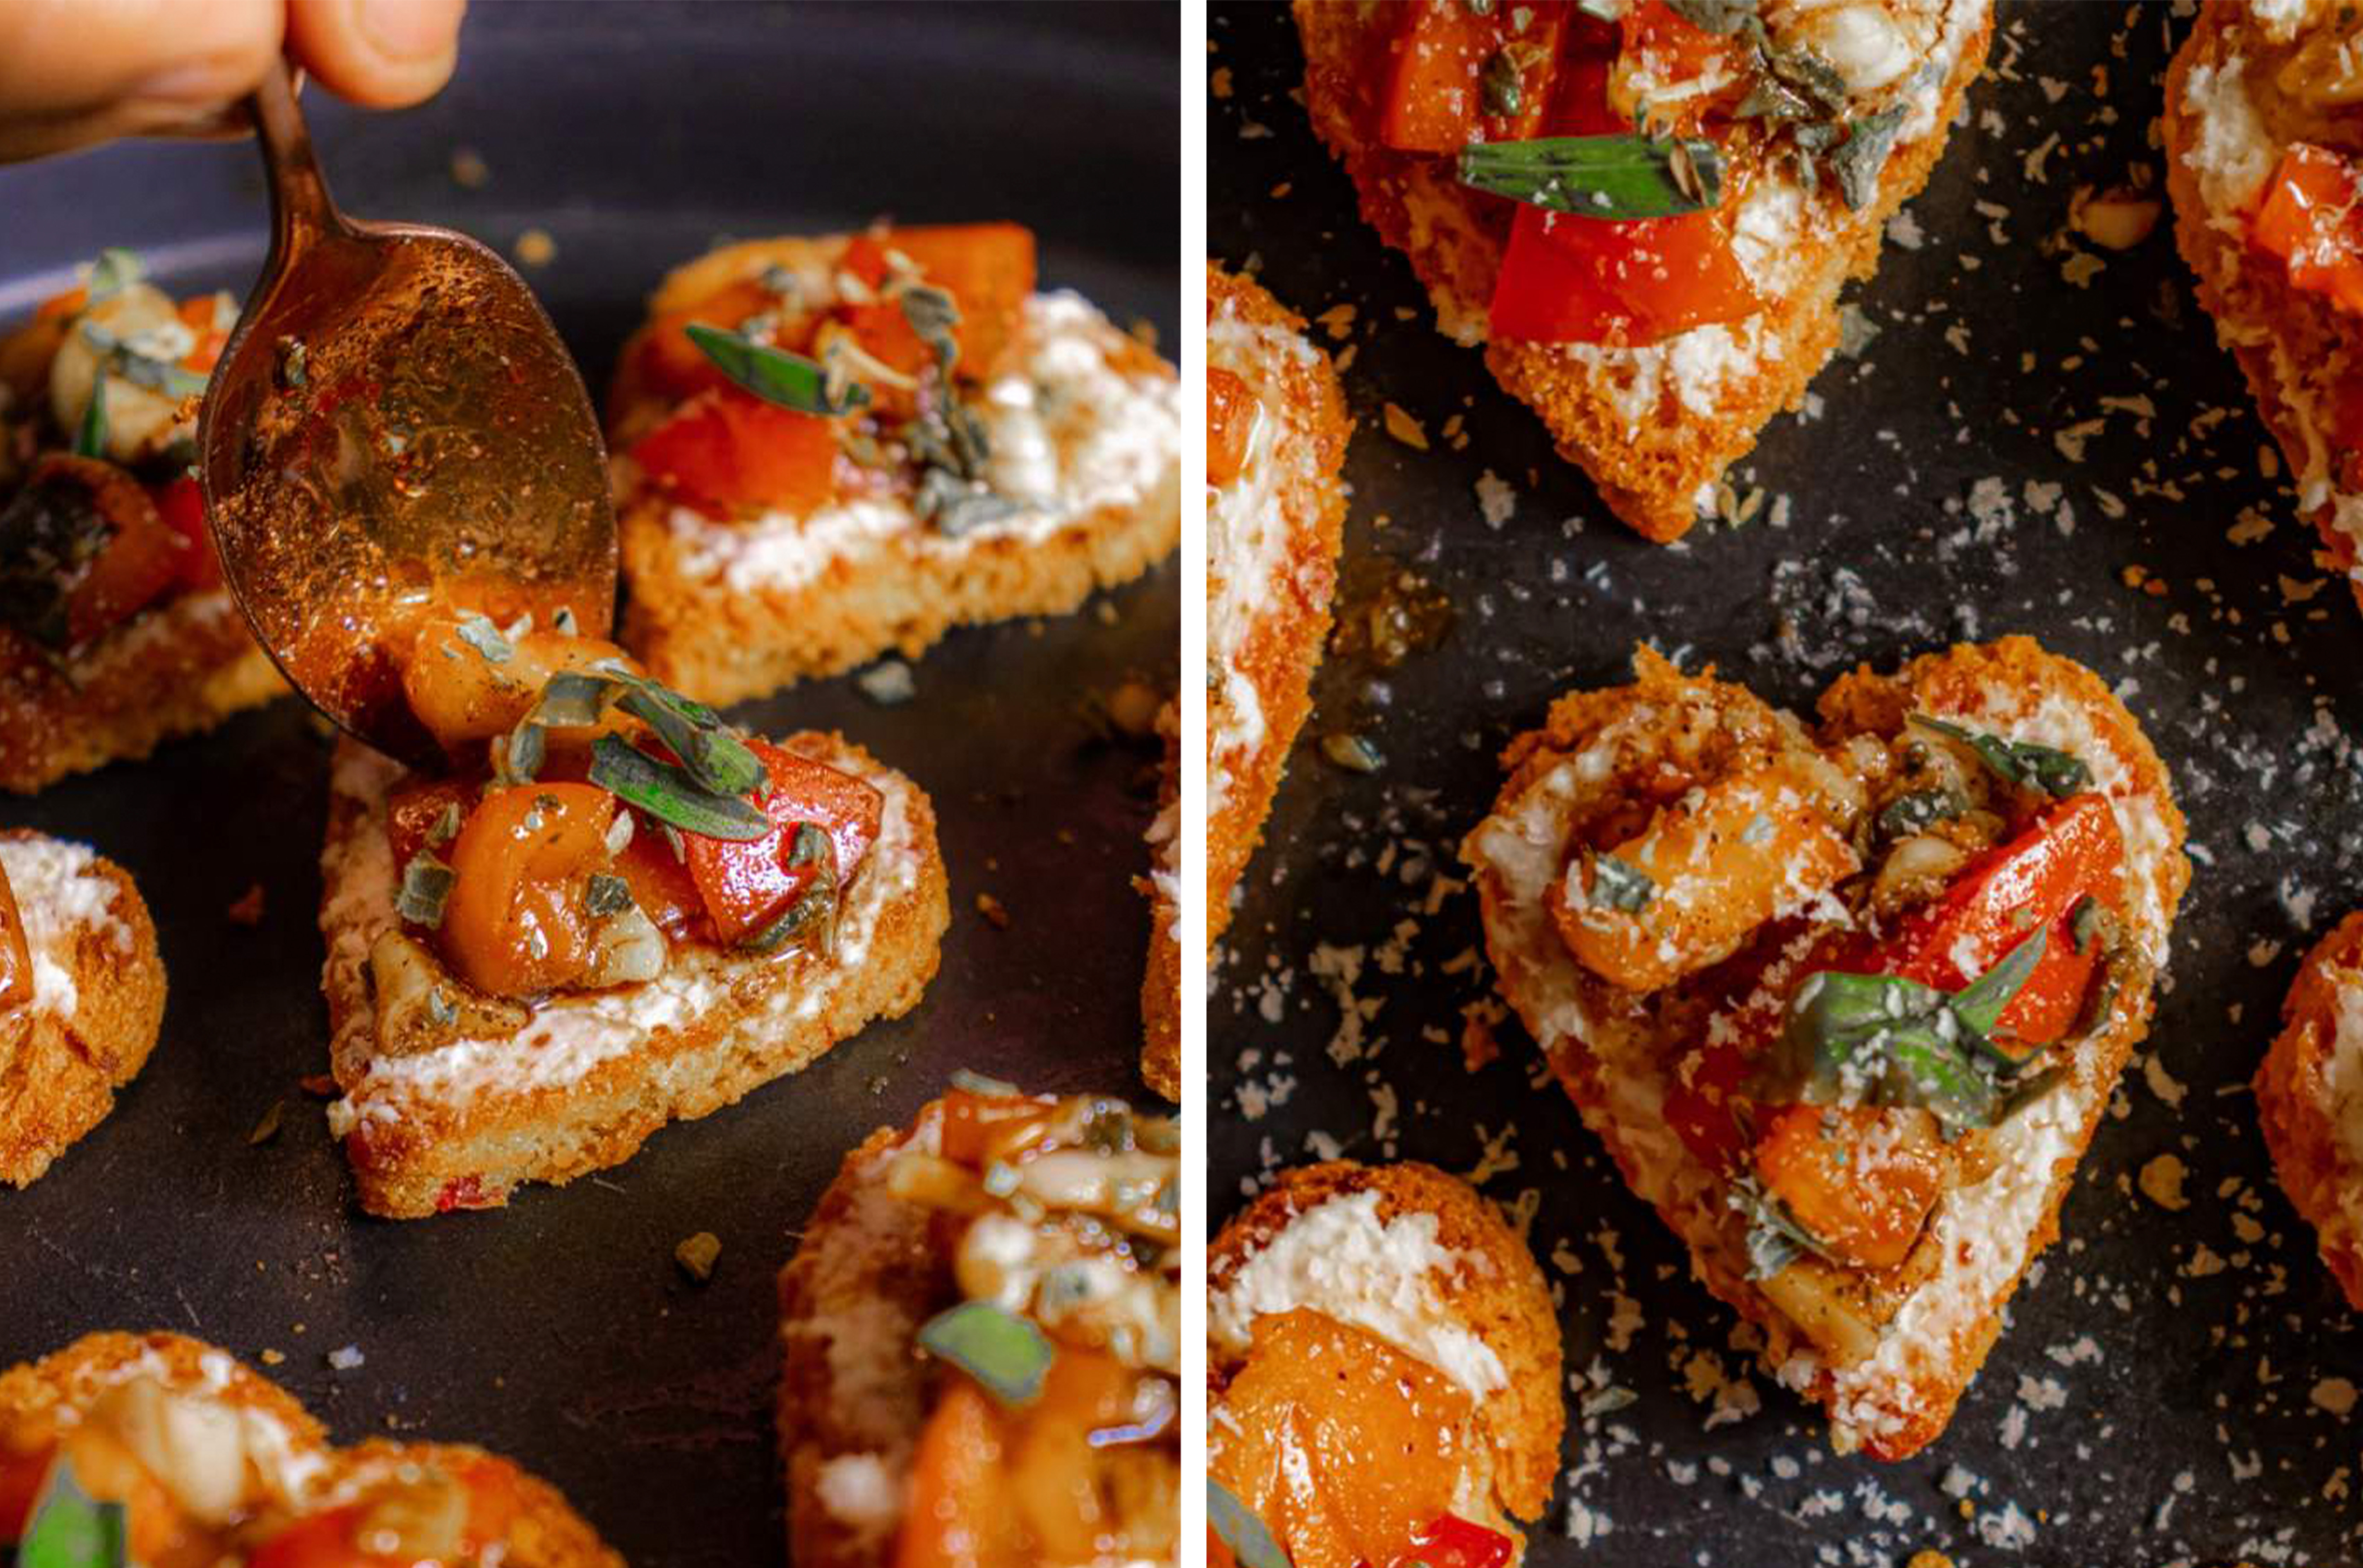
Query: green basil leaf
point(604, 895)
point(1619, 885)
point(479, 633)
point(815, 910)
point(1244, 1533)
point(715, 757)
point(790, 381)
point(1775, 1236)
point(2023, 762)
point(668, 794)
point(427, 885)
point(1879, 1040)
point(1979, 1004)
point(1599, 176)
point(1008, 1354)
point(115, 270)
point(1858, 160)
point(90, 435)
point(1920, 809)
point(70, 1529)
point(573, 700)
point(1721, 17)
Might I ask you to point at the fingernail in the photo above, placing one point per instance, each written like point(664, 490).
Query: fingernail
point(407, 29)
point(197, 82)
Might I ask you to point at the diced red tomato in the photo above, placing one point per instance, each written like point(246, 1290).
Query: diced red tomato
point(1566, 279)
point(181, 503)
point(974, 1125)
point(1453, 1543)
point(987, 268)
point(748, 886)
point(725, 449)
point(515, 924)
point(2308, 217)
point(328, 1540)
point(1231, 412)
point(21, 1475)
point(461, 1192)
point(1674, 50)
point(662, 886)
point(197, 314)
point(670, 366)
point(1435, 96)
point(2073, 849)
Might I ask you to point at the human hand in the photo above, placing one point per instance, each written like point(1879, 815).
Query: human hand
point(74, 73)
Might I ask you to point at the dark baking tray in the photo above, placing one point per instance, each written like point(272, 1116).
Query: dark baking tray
point(2154, 1398)
point(559, 1330)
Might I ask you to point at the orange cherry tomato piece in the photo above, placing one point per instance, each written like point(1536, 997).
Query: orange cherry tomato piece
point(515, 924)
point(1231, 414)
point(2308, 218)
point(975, 1125)
point(1436, 99)
point(959, 1516)
point(181, 503)
point(747, 887)
point(987, 268)
point(662, 886)
point(1861, 1179)
point(197, 314)
point(725, 450)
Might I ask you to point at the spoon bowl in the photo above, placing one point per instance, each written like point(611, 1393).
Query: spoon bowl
point(394, 425)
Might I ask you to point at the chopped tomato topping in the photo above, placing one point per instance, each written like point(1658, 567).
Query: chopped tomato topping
point(1861, 1179)
point(725, 450)
point(1231, 414)
point(197, 314)
point(1453, 1543)
point(748, 887)
point(515, 923)
point(987, 268)
point(672, 368)
point(21, 1475)
point(140, 558)
point(329, 1539)
point(976, 1126)
point(333, 1538)
point(2309, 218)
point(1672, 51)
point(662, 886)
point(1436, 98)
point(462, 1192)
point(181, 503)
point(959, 1515)
point(417, 805)
point(1342, 1445)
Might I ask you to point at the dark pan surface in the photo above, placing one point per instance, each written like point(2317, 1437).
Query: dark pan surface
point(2174, 1385)
point(559, 1330)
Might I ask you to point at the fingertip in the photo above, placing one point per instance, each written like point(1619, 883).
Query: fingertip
point(383, 54)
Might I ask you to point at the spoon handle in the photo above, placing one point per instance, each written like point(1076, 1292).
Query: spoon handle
point(300, 211)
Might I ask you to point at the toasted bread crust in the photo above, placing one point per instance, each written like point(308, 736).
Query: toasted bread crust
point(425, 1140)
point(1502, 1300)
point(2297, 1105)
point(178, 669)
point(865, 1276)
point(1279, 645)
point(2281, 336)
point(1649, 472)
point(59, 1081)
point(545, 1533)
point(899, 591)
point(1161, 987)
point(1609, 1050)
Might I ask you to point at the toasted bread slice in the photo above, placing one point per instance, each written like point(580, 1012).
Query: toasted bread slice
point(875, 1261)
point(2304, 1090)
point(1161, 988)
point(1272, 537)
point(1417, 1259)
point(98, 999)
point(1655, 425)
point(2237, 99)
point(177, 669)
point(1084, 427)
point(592, 1074)
point(241, 1459)
point(1887, 1349)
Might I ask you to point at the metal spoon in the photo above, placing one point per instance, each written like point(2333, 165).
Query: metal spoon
point(394, 426)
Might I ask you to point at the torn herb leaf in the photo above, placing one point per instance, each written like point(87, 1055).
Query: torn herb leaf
point(479, 633)
point(48, 531)
point(1979, 1004)
point(1619, 885)
point(1775, 1236)
point(68, 1528)
point(789, 381)
point(1502, 85)
point(2056, 773)
point(1858, 160)
point(427, 885)
point(695, 733)
point(1721, 17)
point(1920, 809)
point(1245, 1534)
point(668, 793)
point(90, 434)
point(604, 894)
point(115, 270)
point(1008, 1354)
point(1614, 177)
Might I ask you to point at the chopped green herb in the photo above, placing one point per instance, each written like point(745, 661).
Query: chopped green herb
point(1503, 83)
point(1008, 1354)
point(426, 887)
point(668, 793)
point(2056, 773)
point(604, 895)
point(2087, 923)
point(293, 360)
point(1721, 17)
point(790, 381)
point(479, 633)
point(447, 827)
point(573, 700)
point(48, 531)
point(90, 435)
point(1244, 1533)
point(70, 1529)
point(1617, 885)
point(695, 733)
point(1858, 160)
point(517, 756)
point(1775, 1236)
point(115, 270)
point(140, 368)
point(1614, 177)
point(815, 910)
point(958, 506)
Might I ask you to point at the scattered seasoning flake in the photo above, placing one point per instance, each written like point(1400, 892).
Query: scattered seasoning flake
point(696, 1255)
point(346, 1358)
point(1496, 501)
point(248, 909)
point(1405, 428)
point(2335, 1394)
point(319, 1085)
point(274, 1358)
point(468, 170)
point(535, 248)
point(888, 683)
point(268, 1127)
point(994, 914)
